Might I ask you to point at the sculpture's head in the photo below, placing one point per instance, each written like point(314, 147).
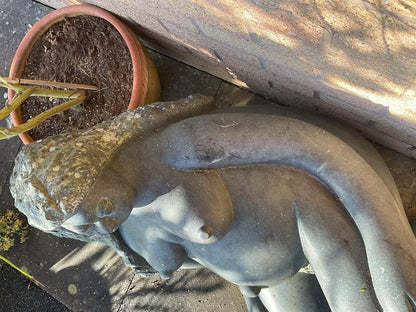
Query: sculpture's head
point(66, 180)
point(105, 207)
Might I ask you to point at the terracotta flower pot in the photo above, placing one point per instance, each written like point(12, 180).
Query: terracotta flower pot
point(146, 87)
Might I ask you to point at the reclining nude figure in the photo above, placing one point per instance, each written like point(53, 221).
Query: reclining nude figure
point(253, 194)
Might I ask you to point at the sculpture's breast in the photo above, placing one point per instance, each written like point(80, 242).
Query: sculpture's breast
point(263, 246)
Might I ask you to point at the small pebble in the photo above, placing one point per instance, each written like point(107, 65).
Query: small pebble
point(72, 289)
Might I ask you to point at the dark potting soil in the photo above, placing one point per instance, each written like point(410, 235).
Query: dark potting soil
point(85, 50)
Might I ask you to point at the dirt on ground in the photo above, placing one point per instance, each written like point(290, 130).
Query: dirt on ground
point(85, 50)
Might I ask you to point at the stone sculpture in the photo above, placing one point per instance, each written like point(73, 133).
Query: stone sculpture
point(253, 194)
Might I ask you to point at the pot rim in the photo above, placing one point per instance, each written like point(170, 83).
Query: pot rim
point(140, 72)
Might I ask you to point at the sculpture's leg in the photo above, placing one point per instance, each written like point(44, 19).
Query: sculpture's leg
point(300, 293)
point(252, 299)
point(334, 248)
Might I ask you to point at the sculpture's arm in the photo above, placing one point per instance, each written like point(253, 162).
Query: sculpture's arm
point(226, 140)
point(335, 127)
point(152, 243)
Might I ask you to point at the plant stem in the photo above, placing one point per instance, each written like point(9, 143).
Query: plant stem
point(61, 94)
point(8, 133)
point(55, 84)
point(21, 271)
point(15, 103)
point(23, 92)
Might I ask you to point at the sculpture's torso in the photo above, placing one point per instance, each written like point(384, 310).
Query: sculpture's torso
point(263, 198)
